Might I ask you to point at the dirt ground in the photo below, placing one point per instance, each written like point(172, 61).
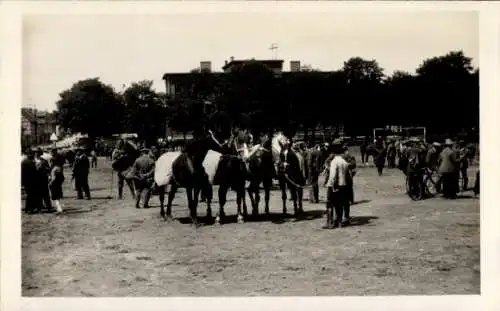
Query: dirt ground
point(106, 247)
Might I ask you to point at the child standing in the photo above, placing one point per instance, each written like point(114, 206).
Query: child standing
point(56, 181)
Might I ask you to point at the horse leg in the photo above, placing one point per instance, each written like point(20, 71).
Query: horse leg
point(300, 196)
point(209, 196)
point(267, 194)
point(193, 205)
point(283, 195)
point(242, 193)
point(250, 192)
point(130, 185)
point(161, 196)
point(240, 196)
point(222, 201)
point(171, 196)
point(257, 198)
point(293, 194)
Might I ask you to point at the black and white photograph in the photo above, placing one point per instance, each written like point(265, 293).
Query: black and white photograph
point(246, 154)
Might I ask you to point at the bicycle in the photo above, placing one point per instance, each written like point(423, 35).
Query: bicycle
point(428, 187)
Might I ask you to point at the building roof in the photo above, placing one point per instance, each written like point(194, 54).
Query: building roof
point(271, 62)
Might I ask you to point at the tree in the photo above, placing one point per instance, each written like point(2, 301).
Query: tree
point(90, 107)
point(145, 113)
point(364, 92)
point(450, 92)
point(357, 69)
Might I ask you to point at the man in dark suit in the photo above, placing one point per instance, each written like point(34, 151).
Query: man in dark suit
point(81, 169)
point(29, 183)
point(314, 167)
point(449, 170)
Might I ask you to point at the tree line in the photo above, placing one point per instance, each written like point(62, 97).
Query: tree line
point(443, 95)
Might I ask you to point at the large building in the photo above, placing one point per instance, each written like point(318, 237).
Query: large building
point(173, 81)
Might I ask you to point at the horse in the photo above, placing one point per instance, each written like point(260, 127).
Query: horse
point(122, 163)
point(192, 169)
point(260, 170)
point(290, 171)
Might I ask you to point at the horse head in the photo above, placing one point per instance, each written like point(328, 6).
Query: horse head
point(278, 143)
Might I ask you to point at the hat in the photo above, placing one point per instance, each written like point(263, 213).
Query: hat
point(448, 142)
point(144, 150)
point(436, 144)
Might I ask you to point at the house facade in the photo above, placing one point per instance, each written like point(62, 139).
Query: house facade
point(37, 127)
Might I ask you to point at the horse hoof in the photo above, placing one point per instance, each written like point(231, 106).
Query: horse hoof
point(217, 221)
point(241, 220)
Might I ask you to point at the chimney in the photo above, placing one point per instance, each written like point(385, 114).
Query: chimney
point(294, 65)
point(206, 66)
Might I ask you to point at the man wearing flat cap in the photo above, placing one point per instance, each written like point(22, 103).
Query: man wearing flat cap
point(143, 171)
point(449, 170)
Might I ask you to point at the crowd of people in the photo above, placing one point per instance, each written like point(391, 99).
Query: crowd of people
point(42, 178)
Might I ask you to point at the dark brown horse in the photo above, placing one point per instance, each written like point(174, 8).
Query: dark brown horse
point(260, 170)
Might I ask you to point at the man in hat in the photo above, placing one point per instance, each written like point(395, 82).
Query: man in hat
point(337, 189)
point(81, 169)
point(28, 182)
point(448, 169)
point(314, 169)
point(144, 167)
point(42, 180)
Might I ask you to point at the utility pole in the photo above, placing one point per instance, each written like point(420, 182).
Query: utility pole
point(274, 48)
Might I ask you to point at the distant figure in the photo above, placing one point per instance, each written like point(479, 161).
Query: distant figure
point(144, 167)
point(28, 182)
point(93, 158)
point(81, 174)
point(464, 158)
point(362, 150)
point(380, 156)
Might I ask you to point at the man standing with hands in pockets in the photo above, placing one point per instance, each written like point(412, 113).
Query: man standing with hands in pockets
point(337, 189)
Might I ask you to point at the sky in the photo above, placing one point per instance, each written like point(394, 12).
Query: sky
point(60, 49)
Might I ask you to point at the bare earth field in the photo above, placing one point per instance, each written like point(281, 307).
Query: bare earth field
point(106, 247)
